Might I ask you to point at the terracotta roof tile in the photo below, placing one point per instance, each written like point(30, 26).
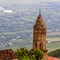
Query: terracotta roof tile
point(7, 54)
point(52, 58)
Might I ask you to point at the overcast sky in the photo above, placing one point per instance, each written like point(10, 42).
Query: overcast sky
point(28, 2)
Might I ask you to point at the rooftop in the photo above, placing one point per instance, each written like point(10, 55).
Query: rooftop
point(52, 58)
point(7, 54)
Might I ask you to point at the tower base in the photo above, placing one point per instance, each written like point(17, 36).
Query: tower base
point(45, 56)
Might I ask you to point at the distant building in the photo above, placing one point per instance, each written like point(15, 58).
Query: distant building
point(39, 36)
point(7, 55)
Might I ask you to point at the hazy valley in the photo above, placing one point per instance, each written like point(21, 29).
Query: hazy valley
point(17, 21)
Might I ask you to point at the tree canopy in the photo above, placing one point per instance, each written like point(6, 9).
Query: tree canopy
point(25, 54)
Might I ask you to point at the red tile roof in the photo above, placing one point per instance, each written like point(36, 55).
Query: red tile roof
point(52, 58)
point(7, 54)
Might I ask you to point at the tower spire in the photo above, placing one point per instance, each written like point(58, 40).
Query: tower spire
point(39, 12)
point(39, 16)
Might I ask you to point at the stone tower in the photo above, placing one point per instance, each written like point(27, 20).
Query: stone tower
point(39, 36)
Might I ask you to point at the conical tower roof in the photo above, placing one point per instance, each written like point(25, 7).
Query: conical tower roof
point(39, 23)
point(39, 19)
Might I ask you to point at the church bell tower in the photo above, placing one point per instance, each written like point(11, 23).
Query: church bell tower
point(39, 36)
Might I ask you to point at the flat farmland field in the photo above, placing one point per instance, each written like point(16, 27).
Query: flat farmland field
point(53, 39)
point(53, 45)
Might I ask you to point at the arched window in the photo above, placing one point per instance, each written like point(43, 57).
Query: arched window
point(41, 46)
point(35, 45)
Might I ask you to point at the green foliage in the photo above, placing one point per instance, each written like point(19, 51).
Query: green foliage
point(55, 53)
point(22, 53)
point(36, 54)
point(25, 54)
